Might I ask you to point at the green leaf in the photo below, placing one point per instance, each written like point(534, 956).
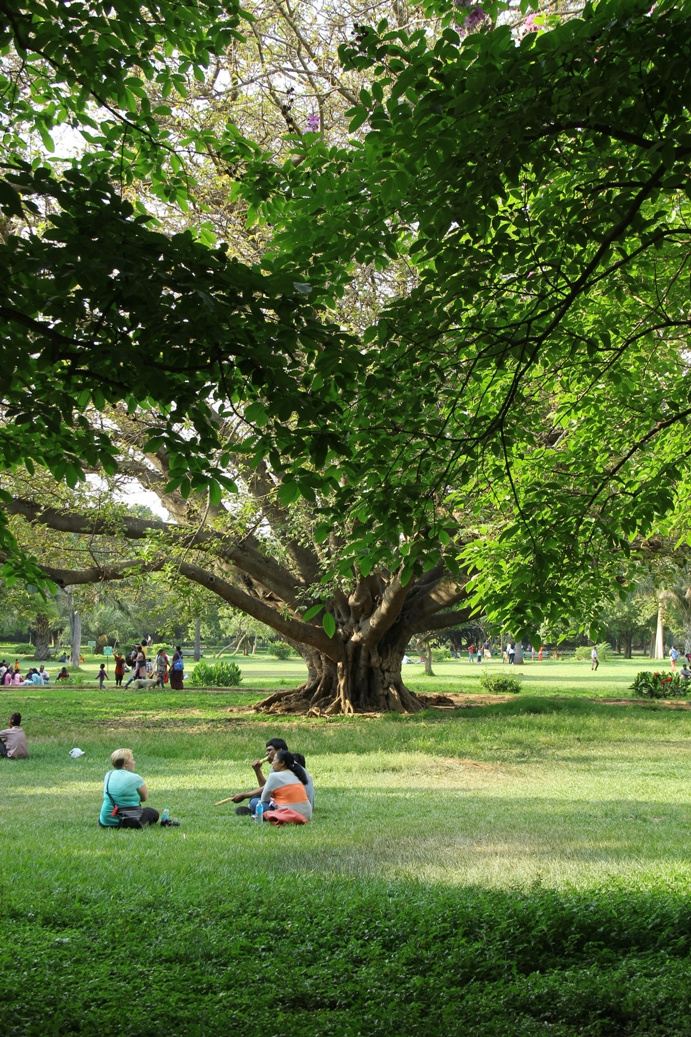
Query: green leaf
point(256, 414)
point(312, 612)
point(329, 624)
point(322, 532)
point(358, 119)
point(288, 492)
point(10, 202)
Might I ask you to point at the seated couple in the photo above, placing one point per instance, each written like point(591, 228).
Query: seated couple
point(289, 786)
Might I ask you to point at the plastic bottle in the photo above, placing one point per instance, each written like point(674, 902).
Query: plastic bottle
point(165, 816)
point(259, 812)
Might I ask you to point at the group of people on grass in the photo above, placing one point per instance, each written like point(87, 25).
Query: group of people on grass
point(286, 795)
point(13, 675)
point(145, 672)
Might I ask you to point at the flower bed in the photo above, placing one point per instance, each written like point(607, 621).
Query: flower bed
point(660, 685)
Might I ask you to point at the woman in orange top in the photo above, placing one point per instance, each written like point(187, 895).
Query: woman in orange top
point(285, 786)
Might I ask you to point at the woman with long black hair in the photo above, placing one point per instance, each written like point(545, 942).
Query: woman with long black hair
point(285, 786)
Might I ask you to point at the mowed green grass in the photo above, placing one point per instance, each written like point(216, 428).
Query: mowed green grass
point(514, 868)
point(458, 676)
point(453, 676)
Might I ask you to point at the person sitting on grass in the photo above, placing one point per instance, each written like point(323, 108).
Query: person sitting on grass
point(685, 672)
point(63, 675)
point(285, 788)
point(32, 677)
point(13, 744)
point(123, 787)
point(273, 746)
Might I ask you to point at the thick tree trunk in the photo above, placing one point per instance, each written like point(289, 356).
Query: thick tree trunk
point(365, 681)
point(41, 627)
point(198, 639)
point(660, 632)
point(75, 628)
point(628, 644)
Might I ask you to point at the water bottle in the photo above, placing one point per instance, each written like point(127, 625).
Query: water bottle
point(259, 812)
point(165, 816)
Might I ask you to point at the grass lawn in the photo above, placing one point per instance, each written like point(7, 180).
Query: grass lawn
point(455, 676)
point(549, 677)
point(519, 868)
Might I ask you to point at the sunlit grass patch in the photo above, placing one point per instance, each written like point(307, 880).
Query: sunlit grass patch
point(529, 858)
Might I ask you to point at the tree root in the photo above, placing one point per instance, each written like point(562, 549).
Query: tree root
point(314, 703)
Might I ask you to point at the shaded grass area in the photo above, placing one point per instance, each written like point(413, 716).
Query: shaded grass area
point(513, 869)
point(350, 959)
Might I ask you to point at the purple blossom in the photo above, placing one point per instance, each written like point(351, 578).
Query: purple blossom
point(474, 16)
point(313, 123)
point(529, 24)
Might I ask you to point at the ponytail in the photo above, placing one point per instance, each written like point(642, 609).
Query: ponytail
point(288, 760)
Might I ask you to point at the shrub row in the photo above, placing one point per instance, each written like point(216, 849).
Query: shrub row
point(218, 675)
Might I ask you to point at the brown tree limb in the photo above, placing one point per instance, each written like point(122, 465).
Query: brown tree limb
point(266, 571)
point(293, 628)
point(386, 614)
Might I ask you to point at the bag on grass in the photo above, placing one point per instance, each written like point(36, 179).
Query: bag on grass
point(127, 817)
point(130, 817)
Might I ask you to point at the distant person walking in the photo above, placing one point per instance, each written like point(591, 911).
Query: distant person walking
point(177, 670)
point(138, 666)
point(119, 668)
point(161, 669)
point(594, 661)
point(673, 656)
point(511, 652)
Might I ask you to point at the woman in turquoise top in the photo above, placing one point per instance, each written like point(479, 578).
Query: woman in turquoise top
point(127, 789)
